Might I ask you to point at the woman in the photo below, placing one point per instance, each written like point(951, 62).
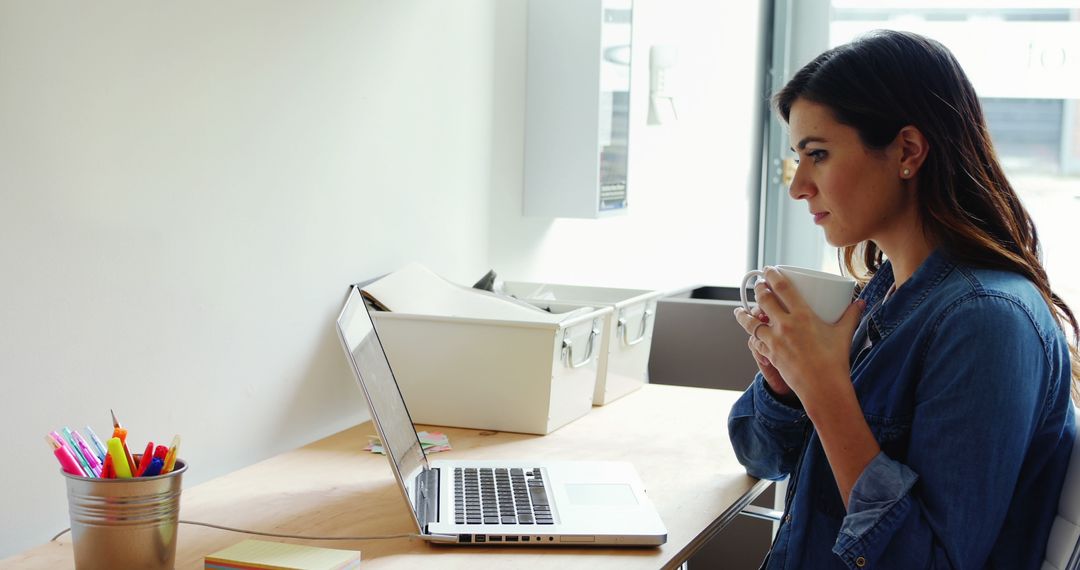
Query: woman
point(931, 426)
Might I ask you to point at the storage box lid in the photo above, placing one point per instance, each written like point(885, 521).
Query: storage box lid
point(416, 289)
point(597, 296)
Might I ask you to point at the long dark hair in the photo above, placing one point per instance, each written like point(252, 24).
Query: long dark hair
point(886, 80)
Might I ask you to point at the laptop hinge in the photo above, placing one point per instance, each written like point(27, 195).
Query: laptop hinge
point(427, 497)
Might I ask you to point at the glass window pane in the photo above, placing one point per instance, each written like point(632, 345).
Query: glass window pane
point(1024, 60)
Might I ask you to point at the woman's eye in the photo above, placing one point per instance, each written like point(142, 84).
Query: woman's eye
point(816, 155)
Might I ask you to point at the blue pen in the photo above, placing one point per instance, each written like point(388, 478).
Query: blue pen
point(77, 452)
point(99, 448)
point(155, 467)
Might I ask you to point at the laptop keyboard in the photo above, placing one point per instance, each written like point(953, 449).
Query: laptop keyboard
point(500, 496)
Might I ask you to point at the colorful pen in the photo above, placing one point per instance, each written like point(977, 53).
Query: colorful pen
point(87, 453)
point(145, 459)
point(120, 432)
point(59, 439)
point(108, 471)
point(119, 462)
point(67, 462)
point(170, 458)
point(74, 449)
point(99, 447)
point(154, 469)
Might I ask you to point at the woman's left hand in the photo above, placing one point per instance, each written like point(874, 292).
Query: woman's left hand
point(811, 355)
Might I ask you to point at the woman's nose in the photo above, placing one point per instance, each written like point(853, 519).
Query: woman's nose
point(801, 187)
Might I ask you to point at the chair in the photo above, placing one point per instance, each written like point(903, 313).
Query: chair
point(1063, 546)
point(766, 514)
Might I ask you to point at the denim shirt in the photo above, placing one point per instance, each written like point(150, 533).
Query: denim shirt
point(965, 384)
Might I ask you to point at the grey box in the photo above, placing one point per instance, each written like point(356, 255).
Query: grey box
point(697, 341)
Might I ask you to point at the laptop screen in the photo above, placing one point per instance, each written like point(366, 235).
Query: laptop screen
point(365, 353)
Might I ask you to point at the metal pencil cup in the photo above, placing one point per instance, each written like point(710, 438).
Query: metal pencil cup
point(125, 523)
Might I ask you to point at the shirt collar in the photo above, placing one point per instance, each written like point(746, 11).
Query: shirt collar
point(883, 319)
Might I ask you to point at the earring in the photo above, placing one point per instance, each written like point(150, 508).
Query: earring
point(907, 172)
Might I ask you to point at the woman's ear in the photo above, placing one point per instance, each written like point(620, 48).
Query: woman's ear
point(913, 150)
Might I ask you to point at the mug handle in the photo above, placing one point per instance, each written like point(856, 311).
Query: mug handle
point(742, 286)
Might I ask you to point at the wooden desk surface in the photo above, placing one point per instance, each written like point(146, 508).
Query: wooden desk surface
point(676, 437)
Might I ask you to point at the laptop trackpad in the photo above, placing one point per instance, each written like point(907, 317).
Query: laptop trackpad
point(600, 494)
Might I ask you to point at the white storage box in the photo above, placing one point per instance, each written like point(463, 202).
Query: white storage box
point(469, 358)
point(624, 354)
point(496, 375)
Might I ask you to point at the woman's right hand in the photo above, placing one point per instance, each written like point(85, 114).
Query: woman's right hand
point(772, 376)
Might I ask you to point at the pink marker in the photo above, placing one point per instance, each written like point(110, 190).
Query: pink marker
point(67, 461)
point(91, 458)
point(60, 441)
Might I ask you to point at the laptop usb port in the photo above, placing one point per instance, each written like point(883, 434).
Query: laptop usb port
point(494, 539)
point(511, 539)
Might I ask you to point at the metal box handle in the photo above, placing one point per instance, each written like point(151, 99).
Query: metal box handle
point(568, 347)
point(624, 329)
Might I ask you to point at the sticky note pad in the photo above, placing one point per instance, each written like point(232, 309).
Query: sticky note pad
point(266, 555)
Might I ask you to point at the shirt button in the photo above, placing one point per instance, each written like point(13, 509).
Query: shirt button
point(787, 519)
point(860, 562)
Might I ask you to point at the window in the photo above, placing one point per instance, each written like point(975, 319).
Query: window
point(1024, 60)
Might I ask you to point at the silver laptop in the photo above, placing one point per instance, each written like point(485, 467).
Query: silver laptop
point(520, 502)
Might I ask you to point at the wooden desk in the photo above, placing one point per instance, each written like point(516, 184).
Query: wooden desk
point(676, 437)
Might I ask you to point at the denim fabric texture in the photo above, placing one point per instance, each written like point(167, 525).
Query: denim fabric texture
point(966, 387)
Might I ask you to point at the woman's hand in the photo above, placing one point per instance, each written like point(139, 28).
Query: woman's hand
point(793, 347)
point(768, 371)
point(811, 357)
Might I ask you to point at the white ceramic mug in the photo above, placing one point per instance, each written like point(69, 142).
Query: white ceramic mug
point(827, 294)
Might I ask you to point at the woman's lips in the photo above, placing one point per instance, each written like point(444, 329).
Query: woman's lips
point(819, 216)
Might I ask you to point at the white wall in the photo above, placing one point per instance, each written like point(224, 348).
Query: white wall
point(187, 189)
point(689, 183)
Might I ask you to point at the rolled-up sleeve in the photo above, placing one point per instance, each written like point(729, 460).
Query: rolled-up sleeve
point(766, 433)
point(879, 501)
